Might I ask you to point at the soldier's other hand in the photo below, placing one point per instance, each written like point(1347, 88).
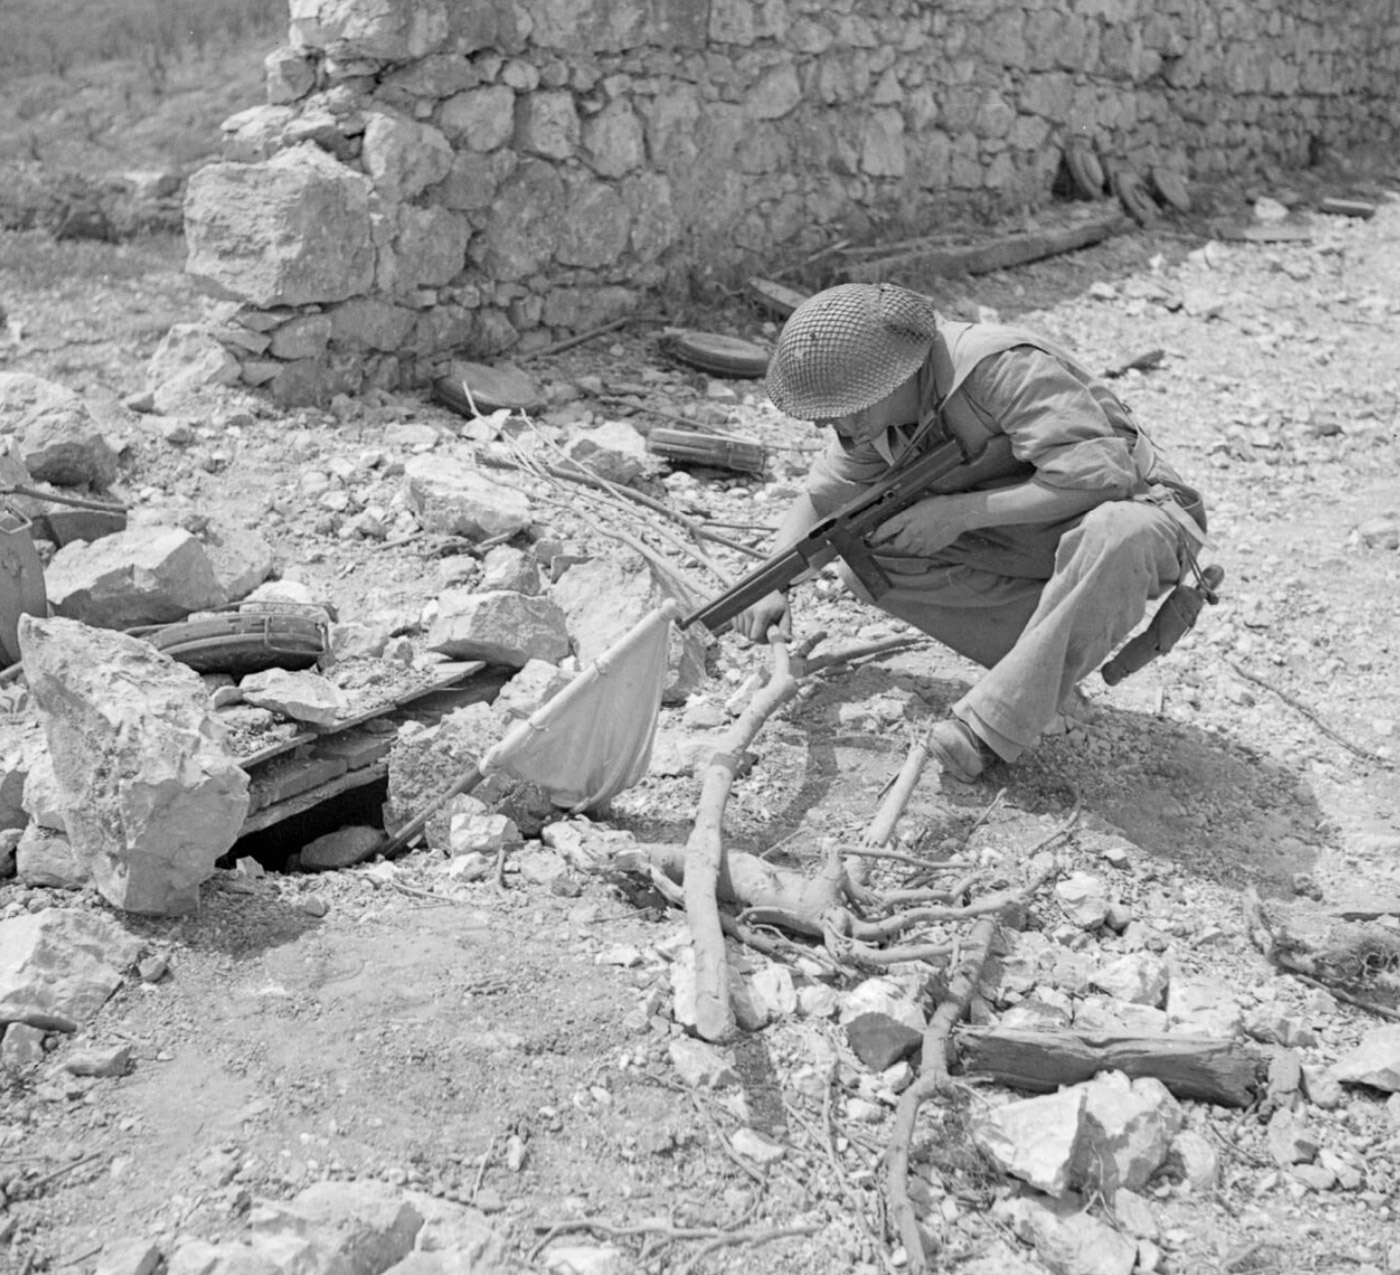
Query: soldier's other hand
point(767, 613)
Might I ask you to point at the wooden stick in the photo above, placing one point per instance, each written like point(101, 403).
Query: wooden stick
point(932, 1078)
point(704, 853)
point(1354, 749)
point(568, 343)
point(1040, 1060)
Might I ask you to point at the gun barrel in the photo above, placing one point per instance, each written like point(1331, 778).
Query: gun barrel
point(846, 527)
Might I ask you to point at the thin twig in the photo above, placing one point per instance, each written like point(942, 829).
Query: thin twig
point(1381, 1011)
point(39, 1183)
point(1355, 749)
point(749, 1169)
point(932, 1078)
point(568, 343)
point(481, 1169)
point(727, 1239)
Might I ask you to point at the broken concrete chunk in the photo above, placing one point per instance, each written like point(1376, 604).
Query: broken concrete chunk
point(506, 567)
point(150, 798)
point(607, 596)
point(361, 1225)
point(1204, 1006)
point(1139, 978)
point(1084, 898)
point(1129, 1125)
point(60, 441)
point(451, 498)
point(614, 450)
point(1036, 1139)
point(1113, 1017)
point(1375, 1061)
point(880, 1041)
point(59, 966)
point(1290, 1140)
point(701, 1066)
point(144, 575)
point(47, 858)
point(240, 559)
point(292, 231)
point(1067, 1239)
point(882, 996)
point(299, 694)
point(1197, 1160)
point(499, 627)
point(102, 1062)
point(189, 362)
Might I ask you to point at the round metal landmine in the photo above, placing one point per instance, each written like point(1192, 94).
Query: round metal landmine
point(491, 389)
point(1132, 193)
point(1172, 188)
point(718, 354)
point(1084, 169)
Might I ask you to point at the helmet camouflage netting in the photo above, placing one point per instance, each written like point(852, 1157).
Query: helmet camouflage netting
point(848, 347)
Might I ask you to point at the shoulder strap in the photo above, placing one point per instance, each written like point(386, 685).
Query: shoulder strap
point(957, 349)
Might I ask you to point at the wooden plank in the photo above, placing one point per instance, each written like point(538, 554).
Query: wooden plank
point(1215, 1071)
point(995, 254)
point(448, 680)
point(303, 802)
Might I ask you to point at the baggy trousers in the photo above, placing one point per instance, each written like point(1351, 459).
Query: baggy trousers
point(1037, 638)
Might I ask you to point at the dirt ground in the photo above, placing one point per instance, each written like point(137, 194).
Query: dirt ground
point(509, 1048)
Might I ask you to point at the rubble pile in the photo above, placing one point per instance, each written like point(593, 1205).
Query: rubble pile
point(480, 1054)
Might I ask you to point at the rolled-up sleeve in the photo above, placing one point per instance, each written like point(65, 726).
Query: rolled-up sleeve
point(1054, 422)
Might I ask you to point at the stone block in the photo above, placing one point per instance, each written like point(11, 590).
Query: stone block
point(150, 799)
point(454, 499)
point(144, 575)
point(500, 627)
point(291, 231)
point(285, 777)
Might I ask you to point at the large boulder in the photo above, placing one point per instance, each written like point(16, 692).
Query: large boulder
point(291, 231)
point(144, 575)
point(150, 799)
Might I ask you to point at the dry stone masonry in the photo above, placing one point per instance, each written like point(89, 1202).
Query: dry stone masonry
point(473, 176)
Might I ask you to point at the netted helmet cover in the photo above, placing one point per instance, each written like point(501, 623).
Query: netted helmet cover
point(845, 349)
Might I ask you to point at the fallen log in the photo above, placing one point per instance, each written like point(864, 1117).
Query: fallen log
point(1222, 1072)
point(996, 254)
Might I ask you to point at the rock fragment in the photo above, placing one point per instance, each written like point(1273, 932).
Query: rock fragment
point(302, 695)
point(149, 798)
point(144, 575)
point(1374, 1062)
point(58, 966)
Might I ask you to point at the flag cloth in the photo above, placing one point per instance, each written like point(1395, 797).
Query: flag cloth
point(594, 738)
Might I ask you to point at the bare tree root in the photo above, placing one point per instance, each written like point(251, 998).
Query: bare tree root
point(932, 1078)
point(704, 849)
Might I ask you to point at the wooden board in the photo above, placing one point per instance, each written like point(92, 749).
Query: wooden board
point(1216, 1071)
point(449, 679)
point(995, 254)
point(303, 802)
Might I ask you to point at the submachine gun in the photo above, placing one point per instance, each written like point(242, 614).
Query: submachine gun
point(842, 534)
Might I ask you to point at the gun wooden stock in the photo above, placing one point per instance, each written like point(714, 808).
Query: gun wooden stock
point(840, 534)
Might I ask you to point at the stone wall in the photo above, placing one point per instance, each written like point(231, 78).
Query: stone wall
point(473, 176)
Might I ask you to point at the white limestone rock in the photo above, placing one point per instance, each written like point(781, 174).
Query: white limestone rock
point(150, 799)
